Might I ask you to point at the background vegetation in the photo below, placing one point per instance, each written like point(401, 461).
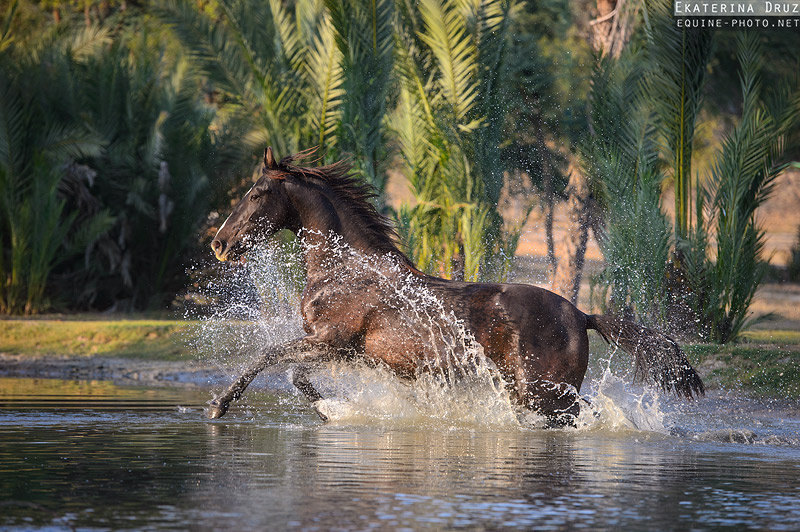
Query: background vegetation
point(127, 127)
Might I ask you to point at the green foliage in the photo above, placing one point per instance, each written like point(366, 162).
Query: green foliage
point(741, 179)
point(758, 368)
point(448, 123)
point(106, 166)
point(38, 137)
point(116, 141)
point(707, 289)
point(674, 84)
point(364, 34)
point(316, 75)
point(160, 147)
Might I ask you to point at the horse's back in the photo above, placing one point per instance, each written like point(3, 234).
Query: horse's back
point(546, 320)
point(543, 319)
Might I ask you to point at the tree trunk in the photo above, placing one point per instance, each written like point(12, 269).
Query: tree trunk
point(548, 232)
point(549, 205)
point(610, 32)
point(569, 270)
point(613, 26)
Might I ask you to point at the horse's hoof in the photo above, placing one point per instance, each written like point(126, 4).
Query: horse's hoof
point(216, 410)
point(322, 416)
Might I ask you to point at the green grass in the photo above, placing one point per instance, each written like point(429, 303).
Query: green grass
point(87, 336)
point(766, 364)
point(770, 368)
point(772, 337)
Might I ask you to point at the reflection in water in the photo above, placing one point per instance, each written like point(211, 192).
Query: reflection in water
point(152, 461)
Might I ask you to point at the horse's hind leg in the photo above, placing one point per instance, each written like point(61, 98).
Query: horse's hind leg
point(301, 382)
point(558, 402)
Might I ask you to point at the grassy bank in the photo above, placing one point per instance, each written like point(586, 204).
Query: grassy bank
point(767, 363)
point(138, 338)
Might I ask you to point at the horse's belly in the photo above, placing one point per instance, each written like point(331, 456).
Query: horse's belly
point(402, 354)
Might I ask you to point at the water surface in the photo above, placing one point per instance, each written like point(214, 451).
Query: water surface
point(94, 455)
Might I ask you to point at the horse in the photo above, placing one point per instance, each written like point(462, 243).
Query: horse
point(537, 340)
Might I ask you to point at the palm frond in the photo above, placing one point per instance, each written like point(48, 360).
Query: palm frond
point(6, 35)
point(364, 33)
point(455, 54)
point(324, 75)
point(741, 179)
point(88, 42)
point(290, 39)
point(678, 58)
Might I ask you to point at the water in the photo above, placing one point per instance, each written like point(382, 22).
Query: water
point(240, 328)
point(94, 455)
point(446, 451)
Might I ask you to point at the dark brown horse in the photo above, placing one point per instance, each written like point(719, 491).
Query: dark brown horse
point(537, 339)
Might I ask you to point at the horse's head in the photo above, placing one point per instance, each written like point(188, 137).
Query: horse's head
point(265, 209)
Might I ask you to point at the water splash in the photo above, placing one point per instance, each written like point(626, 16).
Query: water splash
point(258, 306)
point(612, 403)
point(357, 394)
point(252, 306)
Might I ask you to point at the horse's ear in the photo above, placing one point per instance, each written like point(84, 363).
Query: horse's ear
point(269, 159)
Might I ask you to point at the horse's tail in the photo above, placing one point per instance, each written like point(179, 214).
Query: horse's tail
point(659, 358)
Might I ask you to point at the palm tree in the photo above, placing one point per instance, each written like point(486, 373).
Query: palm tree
point(39, 137)
point(449, 122)
point(674, 84)
point(701, 293)
point(314, 76)
point(741, 179)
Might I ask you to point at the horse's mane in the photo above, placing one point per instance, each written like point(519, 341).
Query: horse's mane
point(356, 194)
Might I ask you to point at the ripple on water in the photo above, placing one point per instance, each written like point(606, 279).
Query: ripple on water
point(274, 465)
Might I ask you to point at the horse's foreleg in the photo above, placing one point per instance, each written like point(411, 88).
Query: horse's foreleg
point(301, 382)
point(286, 352)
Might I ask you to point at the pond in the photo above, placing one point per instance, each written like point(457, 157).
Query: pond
point(94, 455)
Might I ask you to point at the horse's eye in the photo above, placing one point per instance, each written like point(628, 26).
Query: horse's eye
point(254, 197)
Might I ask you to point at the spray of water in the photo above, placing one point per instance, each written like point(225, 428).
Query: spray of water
point(257, 305)
point(614, 404)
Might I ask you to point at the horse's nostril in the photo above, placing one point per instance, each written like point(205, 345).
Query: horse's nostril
point(216, 245)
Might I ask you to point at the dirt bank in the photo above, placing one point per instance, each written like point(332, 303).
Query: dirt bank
point(123, 371)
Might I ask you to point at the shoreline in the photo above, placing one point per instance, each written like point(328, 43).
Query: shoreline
point(122, 371)
point(719, 372)
point(136, 352)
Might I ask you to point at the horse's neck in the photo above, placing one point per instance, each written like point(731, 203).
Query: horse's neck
point(326, 238)
point(333, 238)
